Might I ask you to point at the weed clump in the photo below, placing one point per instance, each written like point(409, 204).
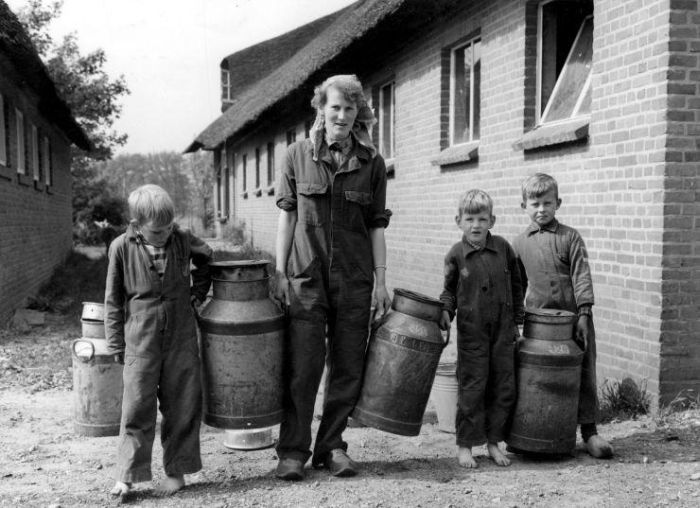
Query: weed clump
point(623, 400)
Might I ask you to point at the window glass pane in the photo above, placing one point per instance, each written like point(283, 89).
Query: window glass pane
point(572, 79)
point(460, 106)
point(476, 100)
point(270, 163)
point(585, 108)
point(387, 106)
point(3, 150)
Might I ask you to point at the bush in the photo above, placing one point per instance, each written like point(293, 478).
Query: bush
point(623, 400)
point(234, 232)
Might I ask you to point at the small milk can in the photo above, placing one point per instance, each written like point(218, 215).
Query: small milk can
point(548, 373)
point(402, 357)
point(242, 346)
point(98, 387)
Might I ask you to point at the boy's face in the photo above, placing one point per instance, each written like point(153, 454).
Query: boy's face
point(542, 209)
point(475, 225)
point(156, 235)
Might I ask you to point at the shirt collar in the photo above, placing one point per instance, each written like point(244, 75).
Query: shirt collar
point(552, 227)
point(467, 247)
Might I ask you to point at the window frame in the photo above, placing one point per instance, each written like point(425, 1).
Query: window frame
point(21, 147)
point(225, 84)
point(4, 145)
point(392, 120)
point(270, 163)
point(48, 166)
point(257, 168)
point(468, 43)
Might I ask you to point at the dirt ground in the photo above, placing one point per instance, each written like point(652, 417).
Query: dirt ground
point(43, 463)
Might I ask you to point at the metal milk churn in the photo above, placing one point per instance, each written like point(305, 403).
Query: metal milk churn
point(402, 358)
point(548, 373)
point(242, 346)
point(98, 385)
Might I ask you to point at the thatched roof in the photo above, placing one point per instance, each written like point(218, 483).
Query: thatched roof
point(363, 30)
point(17, 47)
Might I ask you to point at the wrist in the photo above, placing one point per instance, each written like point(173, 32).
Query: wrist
point(585, 310)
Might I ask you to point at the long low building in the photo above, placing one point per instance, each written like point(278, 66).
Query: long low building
point(476, 93)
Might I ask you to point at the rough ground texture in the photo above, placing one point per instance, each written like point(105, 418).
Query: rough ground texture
point(43, 463)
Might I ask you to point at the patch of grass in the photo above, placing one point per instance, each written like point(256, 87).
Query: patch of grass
point(79, 279)
point(687, 401)
point(623, 400)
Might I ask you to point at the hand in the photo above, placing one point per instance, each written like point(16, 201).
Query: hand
point(583, 327)
point(516, 332)
point(445, 321)
point(382, 302)
point(119, 358)
point(281, 294)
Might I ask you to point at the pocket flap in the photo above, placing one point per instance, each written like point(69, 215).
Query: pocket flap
point(363, 198)
point(311, 188)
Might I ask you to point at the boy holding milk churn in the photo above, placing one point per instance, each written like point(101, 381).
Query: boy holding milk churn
point(482, 285)
point(555, 271)
point(150, 327)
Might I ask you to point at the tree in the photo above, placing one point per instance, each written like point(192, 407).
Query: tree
point(93, 97)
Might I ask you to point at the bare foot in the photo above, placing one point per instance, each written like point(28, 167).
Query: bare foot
point(497, 455)
point(120, 489)
point(465, 458)
point(169, 485)
point(599, 447)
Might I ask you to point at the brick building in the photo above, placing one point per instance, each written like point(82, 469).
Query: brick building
point(603, 95)
point(36, 132)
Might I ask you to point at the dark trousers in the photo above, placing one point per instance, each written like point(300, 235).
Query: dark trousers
point(345, 309)
point(172, 379)
point(486, 394)
point(588, 393)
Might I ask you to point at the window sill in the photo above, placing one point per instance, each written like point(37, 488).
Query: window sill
point(464, 152)
point(244, 194)
point(270, 191)
point(554, 134)
point(390, 168)
point(6, 172)
point(222, 220)
point(49, 189)
point(39, 185)
point(258, 192)
point(25, 180)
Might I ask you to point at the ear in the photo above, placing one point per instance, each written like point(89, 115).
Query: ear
point(457, 219)
point(493, 221)
point(558, 203)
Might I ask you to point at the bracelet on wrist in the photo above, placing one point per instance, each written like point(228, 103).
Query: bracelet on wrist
point(585, 311)
point(379, 266)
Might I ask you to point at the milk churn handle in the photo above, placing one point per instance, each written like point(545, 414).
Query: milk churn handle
point(81, 358)
point(376, 323)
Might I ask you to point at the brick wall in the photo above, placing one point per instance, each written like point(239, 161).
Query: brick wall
point(35, 222)
point(613, 185)
point(680, 330)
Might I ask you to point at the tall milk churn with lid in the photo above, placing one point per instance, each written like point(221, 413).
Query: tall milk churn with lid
point(548, 374)
point(242, 346)
point(402, 357)
point(98, 385)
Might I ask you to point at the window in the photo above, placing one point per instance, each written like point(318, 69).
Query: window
point(386, 121)
point(270, 163)
point(21, 148)
point(225, 84)
point(307, 128)
point(565, 54)
point(46, 157)
point(35, 154)
point(3, 134)
point(465, 92)
point(257, 168)
point(244, 171)
point(291, 136)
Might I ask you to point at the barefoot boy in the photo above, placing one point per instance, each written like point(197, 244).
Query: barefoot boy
point(150, 327)
point(482, 284)
point(556, 275)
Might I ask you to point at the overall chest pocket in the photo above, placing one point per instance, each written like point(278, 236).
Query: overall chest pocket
point(313, 203)
point(356, 209)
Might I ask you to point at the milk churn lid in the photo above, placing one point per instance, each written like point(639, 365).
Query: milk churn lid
point(416, 304)
point(549, 315)
point(93, 310)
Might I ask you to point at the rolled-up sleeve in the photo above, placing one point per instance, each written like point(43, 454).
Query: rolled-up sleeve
point(380, 215)
point(286, 190)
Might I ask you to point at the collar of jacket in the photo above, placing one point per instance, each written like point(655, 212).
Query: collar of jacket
point(359, 152)
point(535, 228)
point(468, 249)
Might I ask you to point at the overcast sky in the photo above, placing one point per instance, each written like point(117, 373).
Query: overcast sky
point(169, 52)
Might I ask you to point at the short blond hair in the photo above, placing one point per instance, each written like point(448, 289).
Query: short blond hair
point(475, 201)
point(150, 203)
point(538, 185)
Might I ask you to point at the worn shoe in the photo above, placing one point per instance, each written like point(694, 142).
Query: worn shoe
point(339, 464)
point(290, 469)
point(599, 447)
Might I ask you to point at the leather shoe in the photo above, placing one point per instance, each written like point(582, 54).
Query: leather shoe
point(339, 464)
point(290, 470)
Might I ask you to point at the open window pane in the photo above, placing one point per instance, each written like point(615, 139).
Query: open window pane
point(466, 87)
point(386, 121)
point(570, 87)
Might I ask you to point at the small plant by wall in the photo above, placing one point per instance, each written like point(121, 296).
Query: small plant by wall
point(623, 400)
